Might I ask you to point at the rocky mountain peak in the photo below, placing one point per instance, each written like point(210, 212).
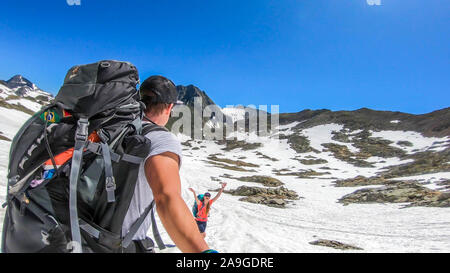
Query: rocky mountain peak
point(21, 86)
point(21, 94)
point(19, 81)
point(187, 94)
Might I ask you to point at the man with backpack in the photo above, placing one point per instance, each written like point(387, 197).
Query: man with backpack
point(202, 206)
point(86, 171)
point(159, 176)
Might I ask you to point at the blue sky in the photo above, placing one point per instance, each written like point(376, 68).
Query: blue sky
point(299, 54)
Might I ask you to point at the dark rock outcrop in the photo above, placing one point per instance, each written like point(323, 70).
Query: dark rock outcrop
point(262, 179)
point(436, 123)
point(273, 197)
point(334, 244)
point(409, 192)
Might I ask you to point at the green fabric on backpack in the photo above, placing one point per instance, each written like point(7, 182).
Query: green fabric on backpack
point(195, 207)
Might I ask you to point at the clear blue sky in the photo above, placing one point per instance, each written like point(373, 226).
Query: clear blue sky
point(334, 54)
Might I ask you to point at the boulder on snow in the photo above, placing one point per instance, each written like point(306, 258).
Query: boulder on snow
point(334, 244)
point(409, 192)
point(300, 174)
point(360, 181)
point(273, 197)
point(263, 179)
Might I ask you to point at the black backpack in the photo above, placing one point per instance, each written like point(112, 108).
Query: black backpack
point(74, 166)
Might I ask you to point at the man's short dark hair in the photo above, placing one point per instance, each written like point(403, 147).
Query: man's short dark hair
point(157, 92)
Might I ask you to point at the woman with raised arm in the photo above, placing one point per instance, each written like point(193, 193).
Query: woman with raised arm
point(203, 206)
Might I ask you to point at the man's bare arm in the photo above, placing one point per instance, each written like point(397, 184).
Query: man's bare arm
point(162, 173)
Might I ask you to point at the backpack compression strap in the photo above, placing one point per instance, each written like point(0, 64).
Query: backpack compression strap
point(81, 136)
point(110, 182)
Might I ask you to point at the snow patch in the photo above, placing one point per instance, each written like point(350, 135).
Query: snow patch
point(236, 113)
point(322, 134)
point(33, 106)
point(418, 141)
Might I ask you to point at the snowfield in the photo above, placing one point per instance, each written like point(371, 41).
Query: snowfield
point(27, 104)
point(12, 120)
point(322, 134)
point(236, 226)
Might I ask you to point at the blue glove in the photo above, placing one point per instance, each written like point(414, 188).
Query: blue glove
point(210, 251)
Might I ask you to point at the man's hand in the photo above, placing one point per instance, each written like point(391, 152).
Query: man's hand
point(223, 185)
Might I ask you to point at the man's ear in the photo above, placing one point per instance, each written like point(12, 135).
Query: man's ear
point(169, 109)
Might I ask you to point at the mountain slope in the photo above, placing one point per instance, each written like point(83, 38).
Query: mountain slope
point(21, 94)
point(376, 180)
point(242, 222)
point(436, 123)
point(326, 157)
point(19, 98)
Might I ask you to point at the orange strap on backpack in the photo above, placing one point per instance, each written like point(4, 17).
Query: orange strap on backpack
point(65, 156)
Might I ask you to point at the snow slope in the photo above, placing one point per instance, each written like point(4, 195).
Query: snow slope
point(236, 226)
point(236, 113)
point(11, 121)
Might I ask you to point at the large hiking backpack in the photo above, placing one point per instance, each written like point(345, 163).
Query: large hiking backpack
point(195, 206)
point(74, 166)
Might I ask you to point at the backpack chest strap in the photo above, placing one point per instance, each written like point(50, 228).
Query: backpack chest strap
point(97, 148)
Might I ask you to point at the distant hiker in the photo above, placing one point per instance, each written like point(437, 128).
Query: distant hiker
point(203, 205)
point(161, 171)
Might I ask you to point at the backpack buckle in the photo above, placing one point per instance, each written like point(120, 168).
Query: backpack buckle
point(13, 180)
point(81, 134)
point(110, 183)
point(110, 188)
